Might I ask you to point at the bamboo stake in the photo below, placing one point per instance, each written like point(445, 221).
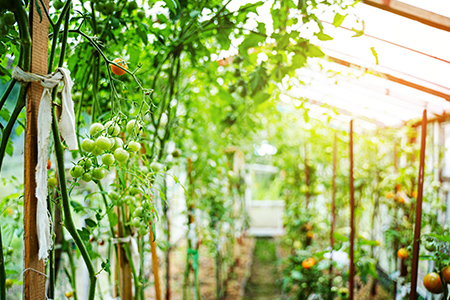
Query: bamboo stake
point(155, 264)
point(418, 221)
point(352, 219)
point(333, 203)
point(34, 269)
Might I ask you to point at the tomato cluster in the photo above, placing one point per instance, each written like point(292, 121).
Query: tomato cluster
point(104, 141)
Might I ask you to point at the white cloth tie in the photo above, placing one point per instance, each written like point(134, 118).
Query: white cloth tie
point(133, 247)
point(67, 131)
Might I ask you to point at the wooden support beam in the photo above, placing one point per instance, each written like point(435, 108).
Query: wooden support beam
point(34, 269)
point(351, 284)
point(418, 221)
point(436, 90)
point(333, 206)
point(412, 12)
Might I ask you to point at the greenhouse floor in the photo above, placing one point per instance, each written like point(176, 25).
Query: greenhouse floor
point(264, 279)
point(236, 278)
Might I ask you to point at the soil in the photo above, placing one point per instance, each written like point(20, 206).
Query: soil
point(264, 280)
point(237, 273)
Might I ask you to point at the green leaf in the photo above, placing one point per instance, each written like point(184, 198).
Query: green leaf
point(306, 115)
point(113, 219)
point(171, 5)
point(38, 8)
point(296, 275)
point(252, 40)
point(84, 234)
point(4, 114)
point(338, 19)
point(19, 130)
point(441, 238)
point(375, 54)
point(142, 34)
point(314, 51)
point(261, 97)
point(298, 60)
point(323, 37)
point(194, 13)
point(76, 206)
point(90, 223)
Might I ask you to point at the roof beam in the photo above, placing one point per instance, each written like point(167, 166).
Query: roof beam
point(337, 109)
point(390, 77)
point(412, 12)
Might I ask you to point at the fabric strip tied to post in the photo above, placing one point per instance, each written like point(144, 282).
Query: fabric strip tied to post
point(67, 131)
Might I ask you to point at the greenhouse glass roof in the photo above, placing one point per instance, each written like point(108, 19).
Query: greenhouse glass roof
point(388, 75)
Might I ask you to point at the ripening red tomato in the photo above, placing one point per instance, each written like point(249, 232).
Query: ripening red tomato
point(432, 282)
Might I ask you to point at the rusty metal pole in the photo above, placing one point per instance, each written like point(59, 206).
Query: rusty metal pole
point(418, 221)
point(351, 280)
point(34, 269)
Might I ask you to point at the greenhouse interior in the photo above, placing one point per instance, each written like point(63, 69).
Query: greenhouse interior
point(225, 149)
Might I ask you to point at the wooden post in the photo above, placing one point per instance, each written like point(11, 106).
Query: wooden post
point(125, 277)
point(155, 264)
point(352, 220)
point(418, 221)
point(34, 269)
point(333, 205)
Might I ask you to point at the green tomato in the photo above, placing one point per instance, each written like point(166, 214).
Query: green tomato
point(132, 5)
point(58, 4)
point(87, 145)
point(129, 199)
point(98, 173)
point(110, 7)
point(97, 151)
point(9, 283)
point(134, 146)
point(52, 181)
point(142, 230)
point(176, 153)
point(141, 14)
point(134, 112)
point(9, 251)
point(9, 19)
point(118, 143)
point(138, 211)
point(87, 177)
point(103, 143)
point(121, 155)
point(134, 190)
point(76, 171)
point(112, 128)
point(108, 159)
point(430, 246)
point(86, 163)
point(133, 127)
point(136, 222)
point(156, 166)
point(113, 195)
point(96, 129)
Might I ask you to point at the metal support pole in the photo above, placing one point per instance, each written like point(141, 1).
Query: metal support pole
point(418, 223)
point(352, 220)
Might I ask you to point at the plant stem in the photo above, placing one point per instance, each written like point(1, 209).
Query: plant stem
point(68, 221)
point(2, 270)
point(51, 257)
point(72, 279)
point(12, 121)
point(7, 92)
